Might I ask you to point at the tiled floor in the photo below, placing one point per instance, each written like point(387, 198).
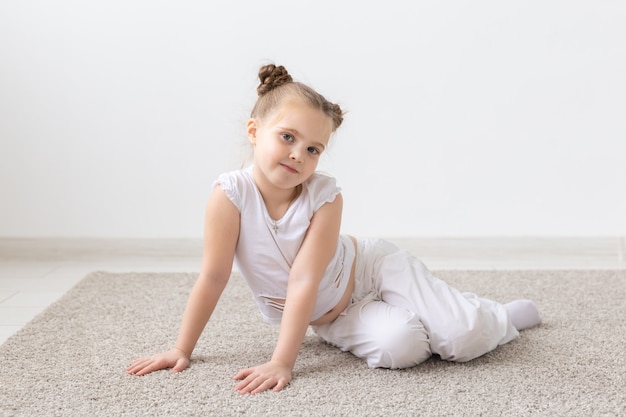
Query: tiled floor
point(35, 272)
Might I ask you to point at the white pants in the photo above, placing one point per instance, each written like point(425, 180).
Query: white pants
point(401, 314)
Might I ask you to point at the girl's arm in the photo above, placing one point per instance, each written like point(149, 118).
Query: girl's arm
point(221, 230)
point(315, 254)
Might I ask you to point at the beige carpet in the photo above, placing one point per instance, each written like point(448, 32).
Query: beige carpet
point(69, 361)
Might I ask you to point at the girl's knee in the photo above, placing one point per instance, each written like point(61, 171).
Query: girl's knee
point(400, 339)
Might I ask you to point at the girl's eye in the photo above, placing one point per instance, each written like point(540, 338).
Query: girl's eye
point(312, 150)
point(287, 137)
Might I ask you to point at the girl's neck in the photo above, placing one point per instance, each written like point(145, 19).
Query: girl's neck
point(277, 201)
point(278, 205)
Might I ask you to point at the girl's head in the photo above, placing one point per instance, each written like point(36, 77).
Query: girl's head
point(277, 87)
point(289, 128)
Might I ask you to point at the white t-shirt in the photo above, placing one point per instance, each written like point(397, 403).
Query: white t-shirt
point(266, 249)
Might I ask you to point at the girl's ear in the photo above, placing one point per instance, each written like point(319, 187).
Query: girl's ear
point(251, 127)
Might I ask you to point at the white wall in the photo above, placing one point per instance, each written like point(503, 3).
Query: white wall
point(465, 118)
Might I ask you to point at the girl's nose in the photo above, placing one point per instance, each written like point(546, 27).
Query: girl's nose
point(296, 155)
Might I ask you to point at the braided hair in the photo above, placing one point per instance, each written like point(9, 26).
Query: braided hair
point(277, 85)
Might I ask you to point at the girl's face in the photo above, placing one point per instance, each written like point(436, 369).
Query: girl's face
point(288, 144)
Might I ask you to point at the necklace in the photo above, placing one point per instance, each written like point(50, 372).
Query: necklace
point(296, 193)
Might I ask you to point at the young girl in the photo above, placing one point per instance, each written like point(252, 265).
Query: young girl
point(280, 220)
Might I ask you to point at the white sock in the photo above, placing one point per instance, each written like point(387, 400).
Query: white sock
point(523, 314)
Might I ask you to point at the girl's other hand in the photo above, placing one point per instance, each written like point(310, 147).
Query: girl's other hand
point(271, 375)
point(174, 358)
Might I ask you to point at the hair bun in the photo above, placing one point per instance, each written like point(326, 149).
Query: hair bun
point(271, 77)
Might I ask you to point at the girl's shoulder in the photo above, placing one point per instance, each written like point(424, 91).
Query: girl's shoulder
point(235, 176)
point(321, 180)
point(235, 184)
point(321, 188)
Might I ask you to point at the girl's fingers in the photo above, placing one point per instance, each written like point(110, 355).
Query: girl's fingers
point(248, 382)
point(135, 365)
point(242, 374)
point(258, 384)
point(268, 384)
point(249, 386)
point(141, 367)
point(279, 386)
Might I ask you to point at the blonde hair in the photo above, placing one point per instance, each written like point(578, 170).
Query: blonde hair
point(277, 86)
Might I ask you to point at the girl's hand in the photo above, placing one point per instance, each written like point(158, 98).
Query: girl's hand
point(263, 377)
point(174, 358)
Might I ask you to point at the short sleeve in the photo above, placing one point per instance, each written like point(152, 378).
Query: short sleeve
point(229, 182)
point(322, 189)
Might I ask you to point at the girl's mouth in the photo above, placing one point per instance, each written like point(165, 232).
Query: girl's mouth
point(289, 169)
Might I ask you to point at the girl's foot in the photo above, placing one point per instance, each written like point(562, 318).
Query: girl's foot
point(523, 314)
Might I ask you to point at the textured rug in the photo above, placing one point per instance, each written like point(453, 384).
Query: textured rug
point(69, 361)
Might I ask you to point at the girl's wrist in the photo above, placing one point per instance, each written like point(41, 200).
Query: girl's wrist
point(185, 354)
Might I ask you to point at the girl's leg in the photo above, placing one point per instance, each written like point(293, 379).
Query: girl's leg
point(460, 326)
point(383, 335)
